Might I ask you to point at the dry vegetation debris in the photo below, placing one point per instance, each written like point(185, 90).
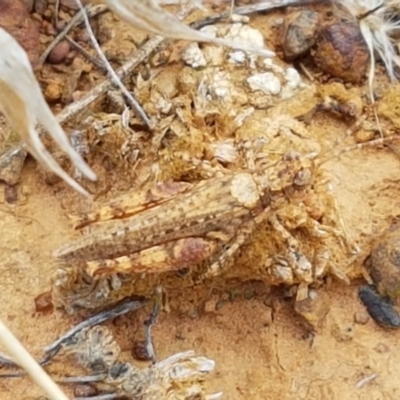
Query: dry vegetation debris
point(214, 112)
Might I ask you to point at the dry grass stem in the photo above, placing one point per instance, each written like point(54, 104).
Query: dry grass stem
point(148, 16)
point(23, 104)
point(75, 108)
point(28, 363)
point(91, 11)
point(377, 25)
point(114, 77)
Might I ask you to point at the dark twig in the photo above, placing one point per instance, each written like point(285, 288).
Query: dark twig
point(82, 379)
point(148, 324)
point(79, 48)
point(51, 350)
point(121, 308)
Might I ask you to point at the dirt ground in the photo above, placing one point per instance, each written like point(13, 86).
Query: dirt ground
point(261, 348)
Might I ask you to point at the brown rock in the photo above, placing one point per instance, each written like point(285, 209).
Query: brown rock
point(11, 163)
point(43, 303)
point(53, 92)
point(139, 351)
point(85, 390)
point(383, 264)
point(40, 6)
point(15, 19)
point(11, 194)
point(361, 317)
point(342, 53)
point(299, 33)
point(59, 53)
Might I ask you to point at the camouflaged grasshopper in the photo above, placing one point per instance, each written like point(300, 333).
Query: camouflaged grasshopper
point(176, 225)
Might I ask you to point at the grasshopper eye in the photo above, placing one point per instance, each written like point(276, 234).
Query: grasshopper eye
point(302, 179)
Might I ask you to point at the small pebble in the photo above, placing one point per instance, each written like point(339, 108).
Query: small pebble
point(85, 390)
point(313, 309)
point(59, 53)
point(139, 351)
point(361, 317)
point(43, 303)
point(342, 53)
point(210, 305)
point(267, 82)
point(47, 14)
point(10, 194)
point(40, 6)
point(64, 16)
point(342, 333)
point(219, 305)
point(53, 92)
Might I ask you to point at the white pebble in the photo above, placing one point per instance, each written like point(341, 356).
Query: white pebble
point(193, 56)
point(293, 78)
point(266, 82)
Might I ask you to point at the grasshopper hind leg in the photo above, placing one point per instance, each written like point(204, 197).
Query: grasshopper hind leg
point(170, 256)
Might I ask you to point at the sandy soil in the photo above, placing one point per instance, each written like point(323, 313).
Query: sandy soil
point(261, 348)
point(261, 351)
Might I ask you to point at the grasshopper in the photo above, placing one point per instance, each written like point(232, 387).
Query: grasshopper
point(177, 225)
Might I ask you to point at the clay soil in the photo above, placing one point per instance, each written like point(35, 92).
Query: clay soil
point(261, 348)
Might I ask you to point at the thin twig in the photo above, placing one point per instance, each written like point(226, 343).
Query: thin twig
point(114, 77)
point(51, 350)
point(78, 47)
point(148, 324)
point(110, 396)
point(56, 11)
point(29, 364)
point(92, 11)
point(268, 5)
point(366, 380)
point(6, 361)
point(82, 379)
point(75, 108)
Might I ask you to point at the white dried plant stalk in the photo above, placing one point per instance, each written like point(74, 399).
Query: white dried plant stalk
point(148, 16)
point(23, 104)
point(22, 357)
point(377, 25)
